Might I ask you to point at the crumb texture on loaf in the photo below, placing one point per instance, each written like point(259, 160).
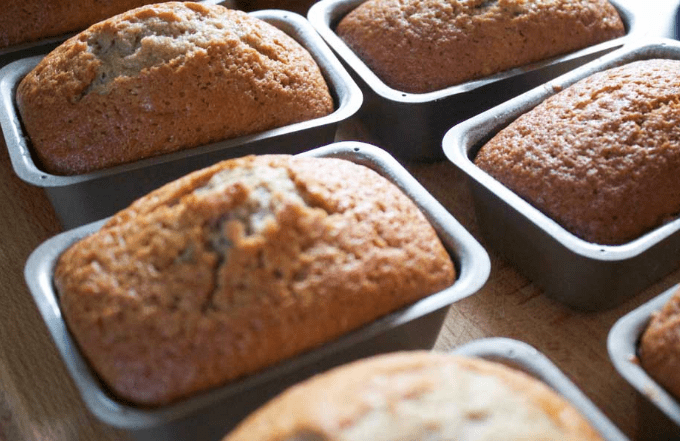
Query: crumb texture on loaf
point(601, 158)
point(420, 46)
point(55, 17)
point(161, 78)
point(659, 348)
point(417, 395)
point(241, 265)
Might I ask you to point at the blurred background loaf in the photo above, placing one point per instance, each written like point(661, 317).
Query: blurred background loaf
point(161, 78)
point(420, 46)
point(23, 21)
point(299, 6)
point(417, 396)
point(659, 349)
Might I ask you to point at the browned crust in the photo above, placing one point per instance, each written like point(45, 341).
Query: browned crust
point(55, 17)
point(602, 157)
point(425, 45)
point(161, 313)
point(659, 349)
point(327, 403)
point(246, 78)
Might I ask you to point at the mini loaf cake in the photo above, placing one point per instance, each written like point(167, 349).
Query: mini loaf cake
point(241, 265)
point(420, 46)
point(417, 396)
point(659, 348)
point(23, 21)
point(602, 157)
point(162, 78)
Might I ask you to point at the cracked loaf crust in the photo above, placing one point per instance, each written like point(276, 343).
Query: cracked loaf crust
point(420, 46)
point(601, 158)
point(659, 348)
point(417, 396)
point(241, 265)
point(162, 78)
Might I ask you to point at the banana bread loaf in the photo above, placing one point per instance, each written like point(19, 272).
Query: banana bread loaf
point(162, 78)
point(659, 348)
point(235, 267)
point(601, 157)
point(417, 396)
point(23, 21)
point(424, 45)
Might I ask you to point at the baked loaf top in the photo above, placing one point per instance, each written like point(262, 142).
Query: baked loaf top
point(162, 78)
point(659, 348)
point(241, 265)
point(601, 157)
point(420, 46)
point(417, 396)
point(55, 17)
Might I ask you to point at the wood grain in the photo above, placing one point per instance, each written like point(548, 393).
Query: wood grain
point(38, 400)
point(509, 305)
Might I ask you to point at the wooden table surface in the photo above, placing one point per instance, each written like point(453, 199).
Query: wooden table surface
point(38, 400)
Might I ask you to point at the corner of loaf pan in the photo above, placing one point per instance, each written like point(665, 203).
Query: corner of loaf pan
point(209, 415)
point(526, 358)
point(581, 274)
point(660, 410)
point(412, 125)
point(83, 198)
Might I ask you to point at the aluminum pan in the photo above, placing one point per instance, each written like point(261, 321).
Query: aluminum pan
point(415, 326)
point(84, 198)
point(412, 125)
point(526, 358)
point(578, 273)
point(622, 344)
point(325, 14)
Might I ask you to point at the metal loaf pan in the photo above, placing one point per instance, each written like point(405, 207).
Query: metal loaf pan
point(526, 358)
point(411, 126)
point(88, 197)
point(573, 271)
point(210, 415)
point(661, 419)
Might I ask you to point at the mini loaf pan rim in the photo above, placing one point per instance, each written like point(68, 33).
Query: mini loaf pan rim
point(325, 14)
point(528, 359)
point(622, 344)
point(463, 140)
point(346, 94)
point(472, 266)
point(577, 273)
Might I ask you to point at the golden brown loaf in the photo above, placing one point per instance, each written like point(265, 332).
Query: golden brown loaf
point(241, 265)
point(602, 157)
point(23, 21)
point(659, 349)
point(417, 396)
point(424, 45)
point(162, 78)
